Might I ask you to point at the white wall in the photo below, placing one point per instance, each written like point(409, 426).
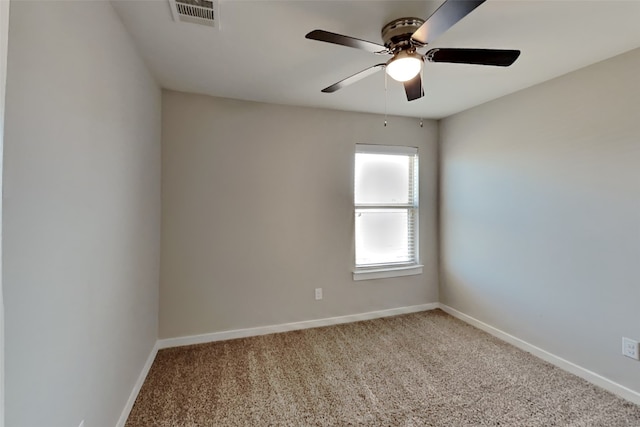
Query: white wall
point(257, 212)
point(540, 215)
point(81, 215)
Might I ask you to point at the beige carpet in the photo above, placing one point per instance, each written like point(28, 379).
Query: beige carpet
point(423, 369)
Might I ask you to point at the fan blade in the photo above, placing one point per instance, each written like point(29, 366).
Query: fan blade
point(326, 36)
point(497, 57)
point(354, 78)
point(413, 88)
point(445, 17)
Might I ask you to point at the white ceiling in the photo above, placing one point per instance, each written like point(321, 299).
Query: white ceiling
point(260, 52)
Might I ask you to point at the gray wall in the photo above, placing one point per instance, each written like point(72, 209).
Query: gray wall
point(81, 215)
point(257, 212)
point(4, 39)
point(541, 215)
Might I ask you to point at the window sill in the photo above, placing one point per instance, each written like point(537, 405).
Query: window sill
point(385, 272)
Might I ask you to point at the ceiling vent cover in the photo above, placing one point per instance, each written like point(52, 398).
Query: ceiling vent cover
point(203, 12)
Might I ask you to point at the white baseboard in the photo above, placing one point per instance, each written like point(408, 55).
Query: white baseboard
point(592, 377)
point(285, 327)
point(137, 386)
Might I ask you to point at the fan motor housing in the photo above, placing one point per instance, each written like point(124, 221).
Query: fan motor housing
point(396, 35)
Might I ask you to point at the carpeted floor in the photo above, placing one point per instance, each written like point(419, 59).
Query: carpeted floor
point(423, 369)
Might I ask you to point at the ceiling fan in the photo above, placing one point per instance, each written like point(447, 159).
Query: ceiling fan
point(404, 36)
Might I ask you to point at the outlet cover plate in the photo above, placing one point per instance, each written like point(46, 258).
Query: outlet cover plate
point(318, 293)
point(630, 348)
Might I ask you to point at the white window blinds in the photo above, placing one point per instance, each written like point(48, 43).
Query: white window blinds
point(386, 205)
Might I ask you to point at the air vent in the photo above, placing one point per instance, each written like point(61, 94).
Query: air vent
point(203, 12)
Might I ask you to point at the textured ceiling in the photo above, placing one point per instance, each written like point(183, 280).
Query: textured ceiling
point(260, 52)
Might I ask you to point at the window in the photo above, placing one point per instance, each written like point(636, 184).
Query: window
point(386, 211)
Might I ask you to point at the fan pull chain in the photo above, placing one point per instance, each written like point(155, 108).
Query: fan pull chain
point(422, 89)
point(385, 99)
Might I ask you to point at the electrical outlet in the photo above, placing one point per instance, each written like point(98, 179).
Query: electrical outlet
point(630, 348)
point(318, 293)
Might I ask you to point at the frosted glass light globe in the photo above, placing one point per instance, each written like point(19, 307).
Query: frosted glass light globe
point(404, 66)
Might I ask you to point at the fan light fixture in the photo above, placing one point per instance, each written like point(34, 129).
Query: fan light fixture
point(404, 66)
point(402, 38)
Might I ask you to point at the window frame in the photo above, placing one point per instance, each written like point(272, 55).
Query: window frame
point(397, 269)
